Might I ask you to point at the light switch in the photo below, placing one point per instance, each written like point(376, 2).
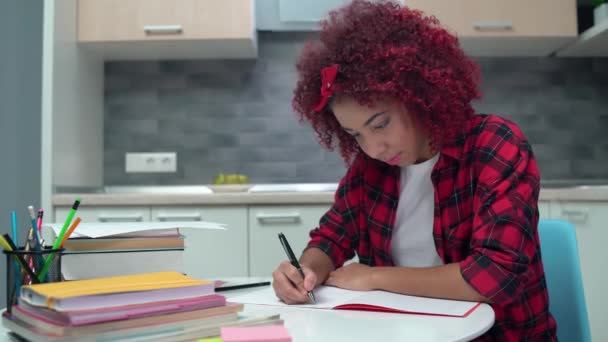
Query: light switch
point(155, 162)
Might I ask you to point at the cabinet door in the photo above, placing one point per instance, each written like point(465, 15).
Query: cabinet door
point(590, 219)
point(544, 209)
point(100, 214)
point(128, 20)
point(540, 18)
point(105, 214)
point(211, 253)
point(266, 222)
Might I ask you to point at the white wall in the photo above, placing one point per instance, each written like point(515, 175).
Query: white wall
point(73, 105)
point(20, 89)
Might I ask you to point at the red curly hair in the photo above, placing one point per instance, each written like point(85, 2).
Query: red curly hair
point(385, 50)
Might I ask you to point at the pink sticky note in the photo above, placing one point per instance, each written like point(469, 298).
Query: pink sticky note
point(270, 333)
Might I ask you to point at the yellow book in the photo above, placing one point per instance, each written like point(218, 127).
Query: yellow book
point(115, 291)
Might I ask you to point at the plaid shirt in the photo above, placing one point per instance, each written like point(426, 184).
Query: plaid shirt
point(486, 192)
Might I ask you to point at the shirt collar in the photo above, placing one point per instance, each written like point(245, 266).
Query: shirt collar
point(454, 150)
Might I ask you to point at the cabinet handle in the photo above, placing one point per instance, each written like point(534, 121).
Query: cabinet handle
point(163, 29)
point(575, 215)
point(270, 218)
point(180, 217)
point(115, 218)
point(493, 25)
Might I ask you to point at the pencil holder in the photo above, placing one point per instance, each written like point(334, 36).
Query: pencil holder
point(17, 275)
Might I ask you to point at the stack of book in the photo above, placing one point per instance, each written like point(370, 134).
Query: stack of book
point(123, 248)
point(160, 306)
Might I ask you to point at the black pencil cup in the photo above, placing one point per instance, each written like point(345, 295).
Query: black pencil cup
point(17, 275)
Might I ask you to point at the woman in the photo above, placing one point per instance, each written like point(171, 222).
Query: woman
point(437, 201)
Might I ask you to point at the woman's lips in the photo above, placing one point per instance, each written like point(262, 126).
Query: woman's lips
point(395, 160)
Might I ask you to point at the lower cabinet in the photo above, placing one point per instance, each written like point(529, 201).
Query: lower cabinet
point(106, 214)
point(266, 222)
point(544, 210)
point(590, 220)
point(211, 253)
point(208, 253)
point(248, 246)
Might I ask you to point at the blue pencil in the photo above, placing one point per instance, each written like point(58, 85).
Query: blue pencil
point(14, 227)
point(17, 273)
point(32, 213)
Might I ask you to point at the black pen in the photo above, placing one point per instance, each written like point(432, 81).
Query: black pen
point(294, 261)
point(241, 286)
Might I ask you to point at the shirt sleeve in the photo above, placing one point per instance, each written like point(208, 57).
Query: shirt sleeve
point(504, 240)
point(337, 234)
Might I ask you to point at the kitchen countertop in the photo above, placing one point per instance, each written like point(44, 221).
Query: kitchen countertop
point(240, 195)
point(228, 198)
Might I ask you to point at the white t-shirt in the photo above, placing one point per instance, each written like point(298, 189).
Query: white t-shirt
point(412, 242)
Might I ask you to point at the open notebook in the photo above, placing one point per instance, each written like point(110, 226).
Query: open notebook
point(329, 297)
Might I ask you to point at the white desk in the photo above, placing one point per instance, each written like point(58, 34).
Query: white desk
point(339, 325)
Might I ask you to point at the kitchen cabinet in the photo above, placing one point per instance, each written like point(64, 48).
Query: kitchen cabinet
point(499, 28)
point(590, 219)
point(135, 29)
point(266, 222)
point(106, 214)
point(544, 209)
point(484, 27)
point(211, 253)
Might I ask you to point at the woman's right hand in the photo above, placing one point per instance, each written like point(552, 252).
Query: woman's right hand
point(289, 285)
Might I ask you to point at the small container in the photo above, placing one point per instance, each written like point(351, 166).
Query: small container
point(35, 260)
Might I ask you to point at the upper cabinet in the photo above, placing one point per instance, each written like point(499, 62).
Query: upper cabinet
point(484, 27)
point(165, 29)
point(506, 28)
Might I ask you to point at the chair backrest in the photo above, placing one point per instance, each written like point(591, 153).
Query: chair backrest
point(564, 282)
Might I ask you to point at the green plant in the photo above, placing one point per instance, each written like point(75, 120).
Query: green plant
point(596, 3)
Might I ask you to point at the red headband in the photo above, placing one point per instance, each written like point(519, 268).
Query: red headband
point(328, 76)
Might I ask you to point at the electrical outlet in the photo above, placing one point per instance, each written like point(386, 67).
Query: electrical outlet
point(151, 162)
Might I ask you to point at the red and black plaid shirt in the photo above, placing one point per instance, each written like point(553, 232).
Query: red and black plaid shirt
point(486, 193)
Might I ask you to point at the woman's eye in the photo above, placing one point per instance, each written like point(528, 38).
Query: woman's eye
point(382, 125)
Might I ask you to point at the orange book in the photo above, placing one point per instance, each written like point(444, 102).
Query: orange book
point(114, 291)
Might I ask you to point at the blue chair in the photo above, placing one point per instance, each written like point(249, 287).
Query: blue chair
point(564, 282)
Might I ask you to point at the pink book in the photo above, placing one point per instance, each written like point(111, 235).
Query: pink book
point(84, 317)
point(270, 333)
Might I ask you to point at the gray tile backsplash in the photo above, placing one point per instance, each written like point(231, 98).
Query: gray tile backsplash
point(235, 115)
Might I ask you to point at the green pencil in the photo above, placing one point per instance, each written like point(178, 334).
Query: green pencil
point(59, 238)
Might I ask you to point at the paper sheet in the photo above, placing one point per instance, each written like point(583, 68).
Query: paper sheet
point(100, 229)
point(329, 297)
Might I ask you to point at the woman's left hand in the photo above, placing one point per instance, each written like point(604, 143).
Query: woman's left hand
point(353, 276)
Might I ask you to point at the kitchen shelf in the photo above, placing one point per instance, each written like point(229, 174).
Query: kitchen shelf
point(591, 43)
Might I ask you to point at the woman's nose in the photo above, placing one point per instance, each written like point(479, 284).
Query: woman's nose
point(376, 148)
